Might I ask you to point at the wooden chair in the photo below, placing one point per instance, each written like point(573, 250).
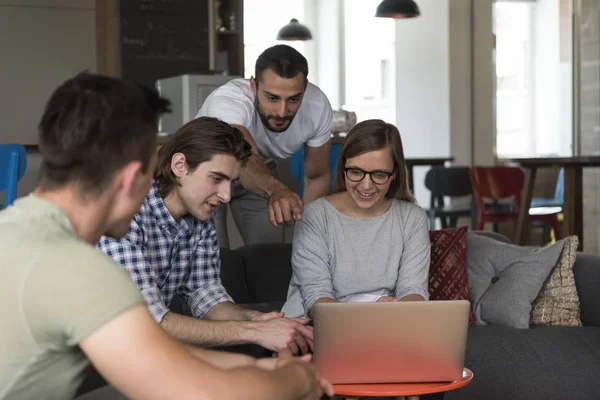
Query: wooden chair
point(500, 183)
point(448, 182)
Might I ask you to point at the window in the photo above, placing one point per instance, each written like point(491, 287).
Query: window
point(369, 46)
point(533, 79)
point(262, 21)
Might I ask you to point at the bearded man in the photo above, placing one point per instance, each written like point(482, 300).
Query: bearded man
point(278, 111)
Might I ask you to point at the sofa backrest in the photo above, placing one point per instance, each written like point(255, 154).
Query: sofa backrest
point(258, 273)
point(262, 272)
point(233, 276)
point(268, 270)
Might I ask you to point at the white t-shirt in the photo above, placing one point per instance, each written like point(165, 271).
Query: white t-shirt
point(234, 103)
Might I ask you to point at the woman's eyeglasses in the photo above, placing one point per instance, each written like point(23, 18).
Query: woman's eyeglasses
point(378, 177)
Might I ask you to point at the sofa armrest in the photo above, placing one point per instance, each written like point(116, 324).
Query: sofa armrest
point(587, 280)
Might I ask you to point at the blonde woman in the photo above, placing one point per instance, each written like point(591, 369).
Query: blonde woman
point(368, 241)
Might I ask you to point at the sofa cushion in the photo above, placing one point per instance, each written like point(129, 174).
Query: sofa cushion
point(448, 268)
point(268, 269)
point(233, 277)
point(505, 279)
point(558, 302)
point(538, 363)
point(587, 279)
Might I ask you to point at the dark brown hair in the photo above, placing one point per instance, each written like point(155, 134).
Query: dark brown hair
point(284, 60)
point(92, 126)
point(199, 140)
point(372, 135)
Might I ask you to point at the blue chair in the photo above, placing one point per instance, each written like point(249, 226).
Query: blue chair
point(297, 165)
point(559, 194)
point(540, 205)
point(13, 162)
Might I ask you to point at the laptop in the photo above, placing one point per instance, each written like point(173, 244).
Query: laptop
point(399, 342)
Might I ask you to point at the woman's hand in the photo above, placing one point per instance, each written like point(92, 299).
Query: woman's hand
point(387, 299)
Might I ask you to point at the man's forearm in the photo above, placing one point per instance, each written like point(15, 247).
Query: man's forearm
point(227, 311)
point(316, 188)
point(221, 359)
point(256, 178)
point(208, 333)
point(287, 382)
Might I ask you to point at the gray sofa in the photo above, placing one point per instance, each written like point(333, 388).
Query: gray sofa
point(508, 363)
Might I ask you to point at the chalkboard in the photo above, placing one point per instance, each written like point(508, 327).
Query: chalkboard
point(163, 38)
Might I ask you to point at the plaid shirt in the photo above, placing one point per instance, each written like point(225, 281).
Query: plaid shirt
point(166, 257)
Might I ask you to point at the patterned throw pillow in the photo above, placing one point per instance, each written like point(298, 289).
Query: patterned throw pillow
point(558, 301)
point(448, 269)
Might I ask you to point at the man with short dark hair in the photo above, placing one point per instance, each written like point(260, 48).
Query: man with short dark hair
point(278, 111)
point(172, 249)
point(67, 304)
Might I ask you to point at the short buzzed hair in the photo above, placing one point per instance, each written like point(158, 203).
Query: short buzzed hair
point(284, 60)
point(92, 126)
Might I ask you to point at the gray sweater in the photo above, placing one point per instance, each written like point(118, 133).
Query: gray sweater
point(352, 259)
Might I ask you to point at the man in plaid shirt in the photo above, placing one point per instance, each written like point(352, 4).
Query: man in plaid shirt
point(172, 248)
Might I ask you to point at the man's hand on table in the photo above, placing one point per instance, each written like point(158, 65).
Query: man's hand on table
point(274, 332)
point(317, 384)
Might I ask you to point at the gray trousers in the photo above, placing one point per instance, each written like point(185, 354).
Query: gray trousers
point(250, 215)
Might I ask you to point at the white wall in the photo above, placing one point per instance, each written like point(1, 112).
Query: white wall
point(483, 81)
point(328, 60)
point(43, 43)
point(460, 81)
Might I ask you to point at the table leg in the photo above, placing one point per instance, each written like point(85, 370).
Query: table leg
point(573, 204)
point(522, 225)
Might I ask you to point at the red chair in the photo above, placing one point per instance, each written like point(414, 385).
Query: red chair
point(498, 183)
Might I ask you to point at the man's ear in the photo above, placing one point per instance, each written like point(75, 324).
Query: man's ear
point(129, 176)
point(179, 165)
point(253, 85)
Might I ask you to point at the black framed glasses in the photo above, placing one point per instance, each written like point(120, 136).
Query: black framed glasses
point(378, 177)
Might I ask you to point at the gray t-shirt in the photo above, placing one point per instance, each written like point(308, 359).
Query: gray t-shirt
point(358, 259)
point(56, 290)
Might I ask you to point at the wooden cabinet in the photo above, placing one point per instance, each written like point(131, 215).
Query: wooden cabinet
point(228, 36)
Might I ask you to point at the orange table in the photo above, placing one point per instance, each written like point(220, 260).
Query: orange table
point(401, 389)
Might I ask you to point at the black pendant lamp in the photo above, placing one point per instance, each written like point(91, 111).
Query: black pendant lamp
point(398, 9)
point(294, 31)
